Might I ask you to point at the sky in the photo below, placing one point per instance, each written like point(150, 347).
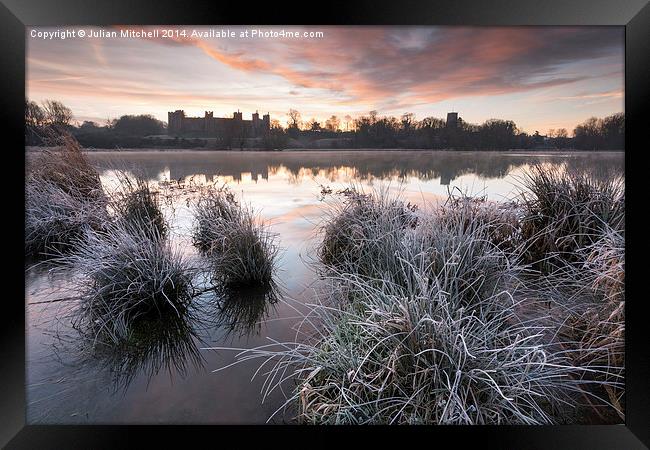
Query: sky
point(540, 77)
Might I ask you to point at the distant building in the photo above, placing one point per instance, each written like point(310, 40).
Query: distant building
point(209, 126)
point(452, 120)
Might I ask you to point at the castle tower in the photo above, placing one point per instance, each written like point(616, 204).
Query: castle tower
point(175, 121)
point(452, 120)
point(266, 122)
point(209, 124)
point(237, 115)
point(255, 124)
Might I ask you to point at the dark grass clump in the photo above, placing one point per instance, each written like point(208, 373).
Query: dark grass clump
point(214, 211)
point(565, 211)
point(124, 276)
point(138, 205)
point(363, 229)
point(64, 197)
point(241, 249)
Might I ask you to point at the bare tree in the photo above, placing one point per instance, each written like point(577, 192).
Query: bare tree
point(34, 115)
point(408, 121)
point(313, 125)
point(348, 119)
point(332, 124)
point(56, 113)
point(295, 119)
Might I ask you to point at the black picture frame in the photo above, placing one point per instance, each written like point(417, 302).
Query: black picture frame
point(15, 15)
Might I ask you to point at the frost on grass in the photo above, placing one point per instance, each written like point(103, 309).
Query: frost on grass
point(239, 245)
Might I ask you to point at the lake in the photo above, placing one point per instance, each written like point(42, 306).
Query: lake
point(174, 382)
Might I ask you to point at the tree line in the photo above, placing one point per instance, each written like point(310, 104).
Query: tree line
point(51, 118)
point(366, 131)
point(371, 130)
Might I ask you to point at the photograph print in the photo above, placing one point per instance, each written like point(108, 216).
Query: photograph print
point(328, 225)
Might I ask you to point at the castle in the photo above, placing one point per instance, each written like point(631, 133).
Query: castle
point(223, 127)
point(452, 120)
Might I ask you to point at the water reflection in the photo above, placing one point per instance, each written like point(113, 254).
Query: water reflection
point(172, 343)
point(286, 187)
point(351, 165)
point(168, 343)
point(242, 310)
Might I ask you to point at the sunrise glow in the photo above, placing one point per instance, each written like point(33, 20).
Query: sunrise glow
point(540, 77)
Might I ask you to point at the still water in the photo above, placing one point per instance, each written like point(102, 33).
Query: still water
point(172, 380)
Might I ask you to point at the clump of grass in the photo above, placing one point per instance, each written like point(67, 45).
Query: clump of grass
point(240, 247)
point(126, 273)
point(427, 334)
point(215, 210)
point(497, 222)
point(137, 204)
point(574, 228)
point(566, 211)
point(361, 229)
point(392, 358)
point(64, 196)
point(598, 327)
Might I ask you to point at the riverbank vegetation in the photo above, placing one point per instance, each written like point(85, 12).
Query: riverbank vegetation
point(443, 315)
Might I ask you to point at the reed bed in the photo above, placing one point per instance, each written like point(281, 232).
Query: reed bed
point(67, 167)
